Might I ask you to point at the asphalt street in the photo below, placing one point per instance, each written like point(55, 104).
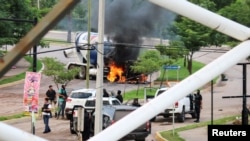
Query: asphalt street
point(221, 107)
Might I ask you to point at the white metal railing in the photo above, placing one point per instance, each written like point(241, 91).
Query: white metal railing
point(193, 82)
point(9, 133)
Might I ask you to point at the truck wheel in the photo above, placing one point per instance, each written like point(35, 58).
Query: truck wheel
point(181, 116)
point(71, 67)
point(82, 73)
point(72, 131)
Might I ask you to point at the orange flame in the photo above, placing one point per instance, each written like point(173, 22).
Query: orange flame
point(115, 73)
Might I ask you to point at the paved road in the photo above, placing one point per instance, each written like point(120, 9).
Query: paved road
point(222, 107)
point(14, 93)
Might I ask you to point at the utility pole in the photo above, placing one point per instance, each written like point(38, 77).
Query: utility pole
point(244, 114)
point(99, 78)
point(88, 51)
point(35, 51)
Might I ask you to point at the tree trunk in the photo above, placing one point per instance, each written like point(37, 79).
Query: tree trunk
point(190, 66)
point(190, 63)
point(185, 61)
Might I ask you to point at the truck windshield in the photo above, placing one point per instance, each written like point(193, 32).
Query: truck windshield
point(160, 92)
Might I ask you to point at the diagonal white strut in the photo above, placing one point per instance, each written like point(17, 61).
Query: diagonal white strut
point(206, 17)
point(188, 85)
point(193, 82)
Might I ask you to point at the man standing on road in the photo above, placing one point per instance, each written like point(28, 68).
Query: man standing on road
point(119, 96)
point(198, 105)
point(51, 94)
point(46, 109)
point(62, 101)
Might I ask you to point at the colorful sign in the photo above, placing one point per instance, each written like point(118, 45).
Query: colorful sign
point(31, 91)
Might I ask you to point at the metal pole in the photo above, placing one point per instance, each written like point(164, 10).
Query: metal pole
point(88, 51)
point(35, 51)
point(99, 78)
point(212, 102)
point(33, 127)
point(244, 98)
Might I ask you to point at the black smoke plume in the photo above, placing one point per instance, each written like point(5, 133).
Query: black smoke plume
point(127, 21)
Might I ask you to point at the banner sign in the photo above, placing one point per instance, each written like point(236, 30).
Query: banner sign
point(31, 91)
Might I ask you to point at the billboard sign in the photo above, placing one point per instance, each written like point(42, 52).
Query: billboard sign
point(31, 91)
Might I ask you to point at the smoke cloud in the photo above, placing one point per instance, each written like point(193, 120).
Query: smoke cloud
point(127, 21)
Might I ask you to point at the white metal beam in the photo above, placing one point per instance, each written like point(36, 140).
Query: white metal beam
point(9, 133)
point(206, 17)
point(193, 82)
point(186, 86)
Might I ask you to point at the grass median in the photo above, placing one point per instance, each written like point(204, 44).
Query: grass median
point(169, 135)
point(15, 78)
point(22, 74)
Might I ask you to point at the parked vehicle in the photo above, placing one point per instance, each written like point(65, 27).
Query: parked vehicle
point(77, 97)
point(90, 103)
point(112, 114)
point(179, 109)
point(80, 54)
point(89, 106)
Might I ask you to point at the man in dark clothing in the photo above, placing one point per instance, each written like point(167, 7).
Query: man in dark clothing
point(62, 101)
point(51, 95)
point(105, 93)
point(119, 96)
point(198, 105)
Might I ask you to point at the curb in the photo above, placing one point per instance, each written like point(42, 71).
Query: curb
point(12, 83)
point(158, 137)
point(19, 81)
point(17, 120)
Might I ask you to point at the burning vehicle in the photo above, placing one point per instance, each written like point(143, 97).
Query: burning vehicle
point(116, 60)
point(126, 24)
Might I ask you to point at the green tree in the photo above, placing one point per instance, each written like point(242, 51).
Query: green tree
point(57, 71)
point(238, 11)
point(194, 35)
point(172, 52)
point(148, 62)
point(11, 32)
point(222, 3)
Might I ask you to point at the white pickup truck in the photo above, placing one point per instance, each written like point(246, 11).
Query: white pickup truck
point(179, 108)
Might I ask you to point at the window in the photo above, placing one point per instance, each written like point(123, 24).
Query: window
point(115, 102)
point(91, 103)
point(81, 95)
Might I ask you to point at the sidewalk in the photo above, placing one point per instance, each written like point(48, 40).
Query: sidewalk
point(197, 134)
